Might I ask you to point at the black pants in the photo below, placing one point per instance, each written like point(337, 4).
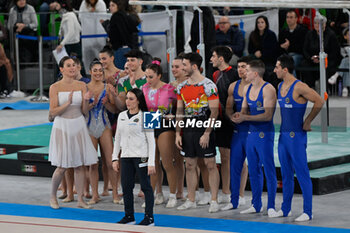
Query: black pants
point(3, 78)
point(129, 167)
point(28, 49)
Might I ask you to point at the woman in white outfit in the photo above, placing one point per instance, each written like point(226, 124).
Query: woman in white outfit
point(70, 143)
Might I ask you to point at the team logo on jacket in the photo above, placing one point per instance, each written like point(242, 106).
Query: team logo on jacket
point(151, 120)
point(287, 100)
point(261, 135)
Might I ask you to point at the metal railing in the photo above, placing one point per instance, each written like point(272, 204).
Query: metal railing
point(251, 3)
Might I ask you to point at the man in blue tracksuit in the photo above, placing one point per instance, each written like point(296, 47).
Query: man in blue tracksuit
point(238, 167)
point(258, 109)
point(292, 98)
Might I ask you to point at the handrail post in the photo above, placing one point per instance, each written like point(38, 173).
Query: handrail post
point(201, 45)
point(41, 96)
point(41, 66)
point(323, 88)
point(17, 64)
point(170, 45)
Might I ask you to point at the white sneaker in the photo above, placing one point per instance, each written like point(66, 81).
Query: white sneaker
point(241, 201)
point(333, 79)
point(205, 199)
point(214, 207)
point(224, 198)
point(228, 206)
point(272, 213)
point(159, 199)
point(197, 199)
point(187, 205)
point(345, 92)
point(302, 218)
point(280, 214)
point(172, 201)
point(18, 94)
point(250, 210)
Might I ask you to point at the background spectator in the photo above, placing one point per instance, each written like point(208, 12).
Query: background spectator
point(343, 65)
point(263, 43)
point(57, 6)
point(23, 20)
point(44, 10)
point(133, 11)
point(291, 39)
point(338, 21)
point(230, 36)
point(92, 6)
point(121, 30)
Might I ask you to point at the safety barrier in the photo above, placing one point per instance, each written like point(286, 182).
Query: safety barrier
point(41, 96)
point(152, 45)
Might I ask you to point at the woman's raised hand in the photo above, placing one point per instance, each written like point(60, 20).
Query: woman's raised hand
point(88, 95)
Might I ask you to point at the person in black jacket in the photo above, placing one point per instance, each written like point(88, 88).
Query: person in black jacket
point(291, 39)
point(121, 31)
point(263, 43)
point(223, 77)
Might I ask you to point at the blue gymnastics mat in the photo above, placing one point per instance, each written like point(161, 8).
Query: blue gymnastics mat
point(175, 221)
point(24, 105)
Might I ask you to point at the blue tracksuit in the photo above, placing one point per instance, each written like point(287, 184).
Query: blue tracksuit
point(292, 151)
point(260, 153)
point(238, 148)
